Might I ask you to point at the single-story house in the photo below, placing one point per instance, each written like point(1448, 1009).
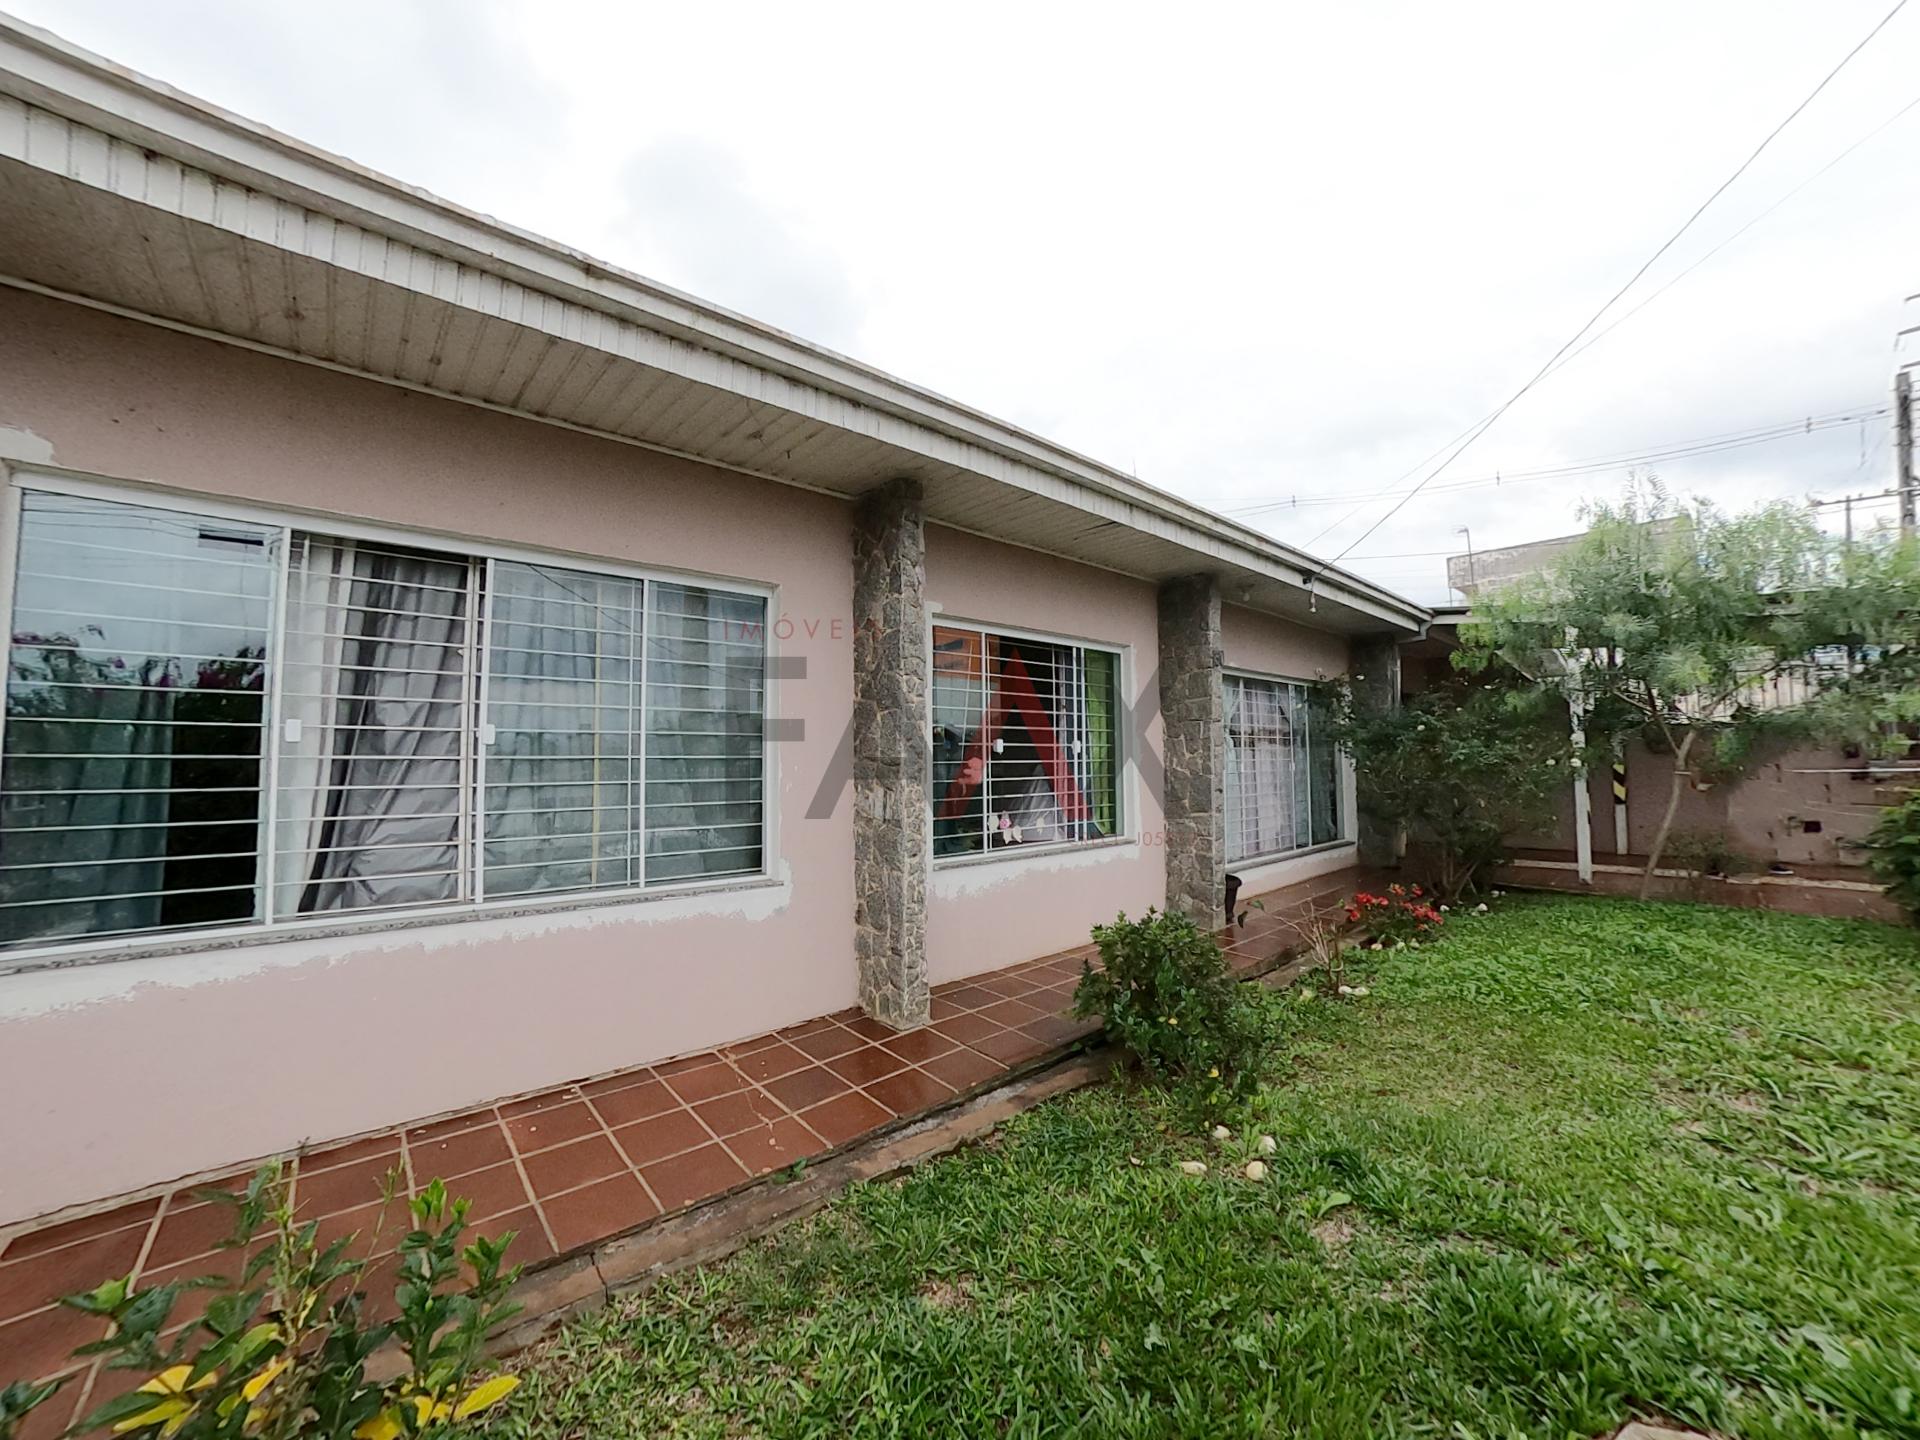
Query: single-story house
point(444, 665)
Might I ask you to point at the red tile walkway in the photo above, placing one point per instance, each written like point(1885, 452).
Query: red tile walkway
point(579, 1164)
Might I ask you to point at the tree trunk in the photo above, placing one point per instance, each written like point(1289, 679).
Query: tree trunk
point(1680, 774)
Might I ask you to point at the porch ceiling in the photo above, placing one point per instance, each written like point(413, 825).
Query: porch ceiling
point(120, 192)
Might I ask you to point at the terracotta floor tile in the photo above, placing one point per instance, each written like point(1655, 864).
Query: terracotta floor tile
point(494, 1191)
point(967, 1028)
point(753, 1045)
point(686, 1062)
point(1011, 1013)
point(909, 1092)
point(663, 1135)
point(459, 1154)
point(189, 1229)
point(42, 1279)
point(766, 1148)
point(637, 1102)
point(529, 1245)
point(621, 1080)
point(374, 1147)
point(727, 1114)
point(871, 1063)
point(1007, 987)
point(696, 1175)
point(43, 1344)
point(542, 1128)
point(557, 1098)
point(566, 1167)
point(453, 1125)
point(1058, 1030)
point(1009, 1047)
point(369, 1230)
point(841, 1119)
point(807, 1087)
point(962, 1069)
point(765, 1064)
point(868, 1028)
point(599, 1211)
point(942, 1008)
point(85, 1228)
point(825, 1044)
point(921, 1044)
point(794, 1032)
point(706, 1082)
point(971, 996)
point(343, 1188)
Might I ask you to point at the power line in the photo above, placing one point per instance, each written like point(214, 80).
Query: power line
point(1897, 115)
point(1673, 450)
point(1613, 299)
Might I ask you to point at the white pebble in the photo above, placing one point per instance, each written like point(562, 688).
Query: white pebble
point(1266, 1145)
point(1256, 1170)
point(1193, 1167)
point(1221, 1132)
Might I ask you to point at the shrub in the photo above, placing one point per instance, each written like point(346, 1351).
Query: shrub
point(1458, 768)
point(282, 1351)
point(1399, 917)
point(1168, 998)
point(1893, 853)
point(1701, 854)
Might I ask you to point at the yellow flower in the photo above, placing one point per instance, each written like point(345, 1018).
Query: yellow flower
point(1214, 1073)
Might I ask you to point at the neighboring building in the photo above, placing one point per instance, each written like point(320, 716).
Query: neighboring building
point(444, 666)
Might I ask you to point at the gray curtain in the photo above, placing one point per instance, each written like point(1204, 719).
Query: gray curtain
point(400, 713)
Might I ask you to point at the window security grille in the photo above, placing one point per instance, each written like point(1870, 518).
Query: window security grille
point(212, 723)
point(1282, 782)
point(1025, 742)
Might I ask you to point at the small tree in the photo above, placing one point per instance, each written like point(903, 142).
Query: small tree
point(1673, 622)
point(1458, 769)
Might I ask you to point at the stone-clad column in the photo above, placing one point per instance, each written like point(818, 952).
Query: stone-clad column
point(1194, 742)
point(891, 753)
point(1375, 666)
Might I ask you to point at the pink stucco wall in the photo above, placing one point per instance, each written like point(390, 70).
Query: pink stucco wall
point(126, 1073)
point(1007, 907)
point(1268, 645)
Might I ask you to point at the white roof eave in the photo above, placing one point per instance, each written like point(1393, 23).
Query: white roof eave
point(48, 72)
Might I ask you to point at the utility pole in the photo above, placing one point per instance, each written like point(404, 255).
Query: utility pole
point(1903, 477)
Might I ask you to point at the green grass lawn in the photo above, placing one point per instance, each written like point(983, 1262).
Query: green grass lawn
point(1580, 1160)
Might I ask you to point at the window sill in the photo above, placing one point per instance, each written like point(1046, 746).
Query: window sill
point(1275, 857)
point(1030, 852)
point(200, 942)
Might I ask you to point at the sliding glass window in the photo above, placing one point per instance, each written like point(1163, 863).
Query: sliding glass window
point(1282, 781)
point(1025, 742)
point(213, 722)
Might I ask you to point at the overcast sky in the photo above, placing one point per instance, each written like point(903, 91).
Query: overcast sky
point(1248, 255)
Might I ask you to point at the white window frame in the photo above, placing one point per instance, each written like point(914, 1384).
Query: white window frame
point(20, 479)
point(1123, 797)
point(1342, 773)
